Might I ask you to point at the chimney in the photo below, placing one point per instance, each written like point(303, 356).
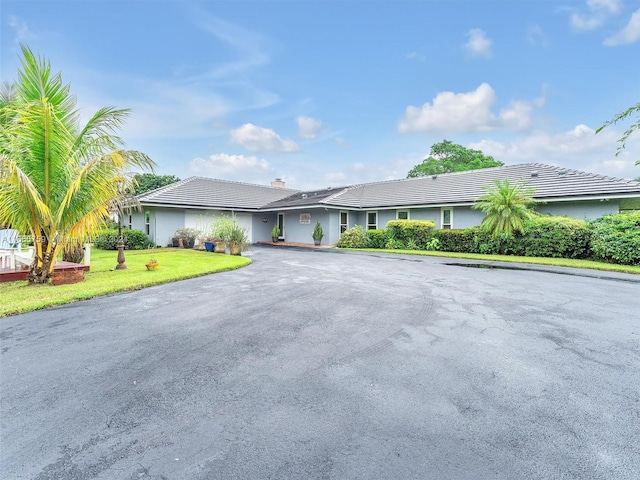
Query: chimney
point(278, 183)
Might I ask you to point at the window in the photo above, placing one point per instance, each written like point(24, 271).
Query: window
point(344, 221)
point(147, 222)
point(372, 220)
point(402, 215)
point(446, 221)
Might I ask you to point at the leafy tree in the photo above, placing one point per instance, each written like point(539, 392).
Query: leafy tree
point(446, 157)
point(632, 128)
point(149, 181)
point(59, 179)
point(506, 206)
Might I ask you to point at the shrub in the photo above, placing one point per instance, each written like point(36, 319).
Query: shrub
point(393, 244)
point(558, 237)
point(354, 237)
point(616, 238)
point(133, 240)
point(418, 232)
point(469, 240)
point(453, 240)
point(377, 238)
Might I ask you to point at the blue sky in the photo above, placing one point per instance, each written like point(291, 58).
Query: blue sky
point(328, 93)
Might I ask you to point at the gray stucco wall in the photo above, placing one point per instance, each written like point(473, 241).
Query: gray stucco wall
point(589, 210)
point(294, 231)
point(164, 223)
point(261, 231)
point(432, 214)
point(464, 217)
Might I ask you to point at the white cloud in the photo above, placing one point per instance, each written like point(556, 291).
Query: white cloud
point(629, 34)
point(308, 127)
point(223, 165)
point(264, 140)
point(478, 45)
point(584, 23)
point(415, 56)
point(342, 142)
point(612, 6)
point(599, 12)
point(536, 36)
point(579, 149)
point(468, 112)
point(21, 28)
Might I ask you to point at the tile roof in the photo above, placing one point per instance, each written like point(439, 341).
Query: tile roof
point(465, 187)
point(212, 193)
point(445, 189)
point(302, 199)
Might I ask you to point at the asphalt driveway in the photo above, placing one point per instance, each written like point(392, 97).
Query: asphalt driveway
point(322, 365)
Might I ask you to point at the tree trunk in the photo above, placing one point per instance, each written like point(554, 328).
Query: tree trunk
point(39, 271)
point(73, 252)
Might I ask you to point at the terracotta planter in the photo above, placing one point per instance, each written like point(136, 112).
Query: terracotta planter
point(152, 266)
point(220, 247)
point(235, 249)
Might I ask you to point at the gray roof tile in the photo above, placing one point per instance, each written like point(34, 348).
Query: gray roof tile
point(465, 187)
point(212, 193)
point(450, 188)
point(302, 199)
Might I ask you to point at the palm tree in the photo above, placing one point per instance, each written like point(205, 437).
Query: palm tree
point(59, 180)
point(506, 208)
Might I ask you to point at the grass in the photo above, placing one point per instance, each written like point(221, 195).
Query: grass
point(558, 262)
point(174, 264)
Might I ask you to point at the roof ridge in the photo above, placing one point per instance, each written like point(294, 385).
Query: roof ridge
point(331, 197)
point(244, 183)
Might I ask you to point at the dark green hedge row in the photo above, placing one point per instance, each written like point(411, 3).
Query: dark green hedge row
point(133, 240)
point(545, 236)
point(612, 238)
point(377, 238)
point(412, 234)
point(616, 238)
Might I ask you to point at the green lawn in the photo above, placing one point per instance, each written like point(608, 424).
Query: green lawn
point(175, 264)
point(559, 262)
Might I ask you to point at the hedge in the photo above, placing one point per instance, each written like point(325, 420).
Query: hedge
point(133, 240)
point(558, 237)
point(469, 240)
point(354, 237)
point(377, 238)
point(616, 238)
point(414, 234)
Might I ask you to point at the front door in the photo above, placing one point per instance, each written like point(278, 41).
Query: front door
point(281, 225)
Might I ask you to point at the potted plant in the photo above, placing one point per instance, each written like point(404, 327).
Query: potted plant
point(208, 243)
point(152, 264)
point(237, 238)
point(275, 233)
point(187, 236)
point(317, 234)
point(219, 233)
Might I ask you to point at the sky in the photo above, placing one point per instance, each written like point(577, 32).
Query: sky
point(332, 93)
